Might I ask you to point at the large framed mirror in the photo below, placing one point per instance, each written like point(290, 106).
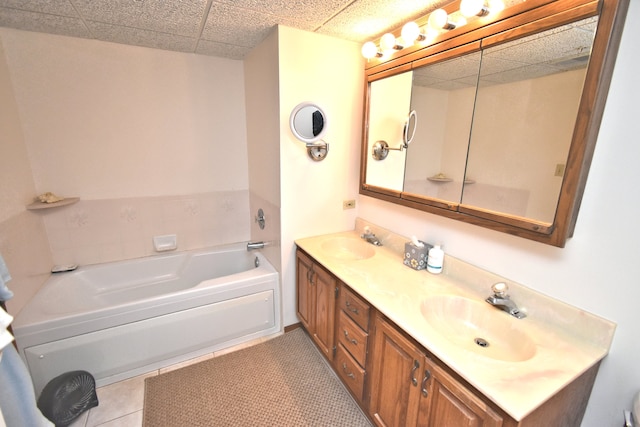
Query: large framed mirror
point(510, 110)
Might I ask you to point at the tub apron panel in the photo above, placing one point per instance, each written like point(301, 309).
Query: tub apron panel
point(119, 350)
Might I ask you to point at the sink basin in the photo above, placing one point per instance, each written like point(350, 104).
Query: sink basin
point(478, 327)
point(348, 248)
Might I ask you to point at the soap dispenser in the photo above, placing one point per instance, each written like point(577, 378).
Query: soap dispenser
point(435, 260)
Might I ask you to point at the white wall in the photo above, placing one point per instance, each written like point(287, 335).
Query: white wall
point(598, 269)
point(328, 72)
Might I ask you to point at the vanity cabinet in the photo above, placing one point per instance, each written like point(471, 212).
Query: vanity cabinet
point(352, 335)
point(317, 290)
point(410, 389)
point(394, 379)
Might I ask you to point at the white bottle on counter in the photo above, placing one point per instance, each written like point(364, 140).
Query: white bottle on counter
point(435, 260)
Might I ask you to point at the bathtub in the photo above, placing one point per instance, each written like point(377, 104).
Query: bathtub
point(121, 319)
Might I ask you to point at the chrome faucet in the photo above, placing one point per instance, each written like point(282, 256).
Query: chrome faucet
point(370, 237)
point(501, 300)
point(255, 245)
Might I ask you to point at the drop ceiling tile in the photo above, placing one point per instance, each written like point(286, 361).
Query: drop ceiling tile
point(40, 22)
point(139, 37)
point(368, 19)
point(316, 11)
point(175, 17)
point(230, 25)
point(206, 47)
point(54, 7)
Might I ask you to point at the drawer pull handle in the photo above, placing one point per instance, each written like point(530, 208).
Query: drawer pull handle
point(349, 374)
point(351, 340)
point(351, 309)
point(427, 376)
point(416, 366)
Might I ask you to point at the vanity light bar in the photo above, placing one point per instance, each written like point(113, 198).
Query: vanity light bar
point(438, 20)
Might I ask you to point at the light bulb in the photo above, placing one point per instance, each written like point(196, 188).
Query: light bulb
point(471, 8)
point(411, 33)
point(369, 50)
point(387, 42)
point(440, 19)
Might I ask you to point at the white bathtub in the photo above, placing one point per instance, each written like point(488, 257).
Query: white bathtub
point(121, 319)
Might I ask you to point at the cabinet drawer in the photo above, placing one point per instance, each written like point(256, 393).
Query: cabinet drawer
point(349, 371)
point(352, 338)
point(355, 307)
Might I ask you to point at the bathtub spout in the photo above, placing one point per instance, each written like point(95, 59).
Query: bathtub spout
point(255, 245)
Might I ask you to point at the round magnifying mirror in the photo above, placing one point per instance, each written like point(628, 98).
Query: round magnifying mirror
point(308, 122)
point(409, 130)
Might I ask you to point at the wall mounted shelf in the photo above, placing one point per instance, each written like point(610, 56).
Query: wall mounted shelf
point(40, 205)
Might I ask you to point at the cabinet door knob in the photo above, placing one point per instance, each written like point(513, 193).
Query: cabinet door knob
point(351, 309)
point(351, 340)
point(427, 376)
point(416, 366)
point(349, 374)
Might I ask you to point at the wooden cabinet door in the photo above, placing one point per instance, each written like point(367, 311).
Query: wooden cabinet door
point(447, 403)
point(395, 377)
point(305, 291)
point(324, 287)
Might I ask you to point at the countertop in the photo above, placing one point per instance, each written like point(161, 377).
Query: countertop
point(566, 340)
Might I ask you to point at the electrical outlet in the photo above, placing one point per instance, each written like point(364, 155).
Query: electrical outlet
point(348, 204)
point(559, 170)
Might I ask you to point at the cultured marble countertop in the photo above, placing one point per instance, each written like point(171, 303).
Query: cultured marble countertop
point(566, 341)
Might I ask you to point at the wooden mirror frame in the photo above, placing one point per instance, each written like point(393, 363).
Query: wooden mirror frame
point(514, 22)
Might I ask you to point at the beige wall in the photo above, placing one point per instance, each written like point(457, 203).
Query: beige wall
point(102, 120)
point(15, 171)
point(23, 240)
point(263, 141)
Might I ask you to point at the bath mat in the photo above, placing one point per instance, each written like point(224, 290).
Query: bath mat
point(282, 382)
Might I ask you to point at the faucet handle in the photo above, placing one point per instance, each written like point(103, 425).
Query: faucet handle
point(500, 289)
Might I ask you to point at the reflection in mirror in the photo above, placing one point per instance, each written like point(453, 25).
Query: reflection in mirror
point(409, 130)
point(443, 94)
point(381, 149)
point(389, 102)
point(308, 122)
point(525, 113)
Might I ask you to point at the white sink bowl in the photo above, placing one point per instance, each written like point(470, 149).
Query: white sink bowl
point(348, 248)
point(478, 327)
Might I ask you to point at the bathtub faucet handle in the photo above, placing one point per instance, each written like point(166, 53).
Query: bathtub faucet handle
point(255, 245)
point(260, 219)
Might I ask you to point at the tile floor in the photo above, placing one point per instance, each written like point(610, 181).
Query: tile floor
point(120, 404)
